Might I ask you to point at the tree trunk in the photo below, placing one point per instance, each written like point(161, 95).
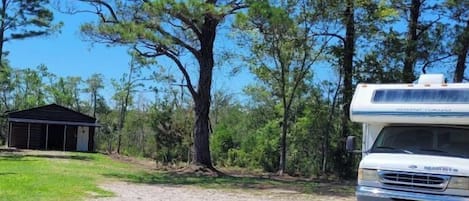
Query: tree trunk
point(121, 125)
point(411, 47)
point(463, 46)
point(2, 31)
point(325, 144)
point(109, 150)
point(202, 109)
point(201, 135)
point(201, 155)
point(77, 100)
point(343, 160)
point(142, 139)
point(122, 115)
point(283, 143)
point(5, 100)
point(119, 140)
point(349, 50)
point(125, 103)
point(94, 102)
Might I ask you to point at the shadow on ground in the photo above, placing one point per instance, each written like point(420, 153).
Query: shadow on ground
point(230, 182)
point(68, 157)
point(16, 154)
point(9, 150)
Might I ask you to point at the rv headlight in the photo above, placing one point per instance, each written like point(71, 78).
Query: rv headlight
point(367, 175)
point(459, 183)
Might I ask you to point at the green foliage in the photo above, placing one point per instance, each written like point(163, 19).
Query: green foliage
point(222, 143)
point(55, 176)
point(66, 92)
point(21, 19)
point(254, 149)
point(265, 153)
point(282, 55)
point(285, 44)
point(169, 28)
point(167, 138)
point(24, 19)
point(29, 87)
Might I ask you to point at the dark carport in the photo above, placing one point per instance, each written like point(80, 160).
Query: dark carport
point(51, 127)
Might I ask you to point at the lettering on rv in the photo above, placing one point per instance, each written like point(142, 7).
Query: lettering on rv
point(423, 110)
point(440, 168)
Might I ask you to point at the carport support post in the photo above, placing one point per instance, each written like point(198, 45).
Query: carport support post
point(47, 134)
point(29, 134)
point(10, 127)
point(65, 135)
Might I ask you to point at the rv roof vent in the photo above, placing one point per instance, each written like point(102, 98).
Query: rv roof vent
point(431, 79)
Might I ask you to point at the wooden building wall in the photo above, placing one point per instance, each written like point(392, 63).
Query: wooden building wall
point(56, 137)
point(71, 138)
point(37, 137)
point(19, 135)
point(91, 139)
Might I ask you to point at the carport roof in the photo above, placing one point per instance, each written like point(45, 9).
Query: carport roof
point(52, 114)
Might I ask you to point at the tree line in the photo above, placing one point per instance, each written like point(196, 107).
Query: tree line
point(290, 122)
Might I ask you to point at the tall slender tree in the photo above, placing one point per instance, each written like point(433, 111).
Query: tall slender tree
point(125, 88)
point(95, 83)
point(170, 28)
point(282, 55)
point(347, 22)
point(459, 12)
point(341, 13)
point(423, 40)
point(411, 40)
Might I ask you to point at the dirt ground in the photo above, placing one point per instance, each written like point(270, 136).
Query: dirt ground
point(128, 191)
point(144, 192)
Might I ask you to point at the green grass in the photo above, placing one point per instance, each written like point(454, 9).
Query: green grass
point(44, 176)
point(66, 176)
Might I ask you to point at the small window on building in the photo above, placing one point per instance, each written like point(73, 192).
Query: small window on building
point(424, 96)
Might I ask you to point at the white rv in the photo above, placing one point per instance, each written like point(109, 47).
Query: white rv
point(415, 142)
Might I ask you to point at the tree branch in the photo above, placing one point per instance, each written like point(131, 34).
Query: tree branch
point(428, 63)
point(190, 24)
point(423, 29)
point(331, 34)
point(235, 6)
point(306, 67)
point(178, 41)
point(184, 73)
point(108, 7)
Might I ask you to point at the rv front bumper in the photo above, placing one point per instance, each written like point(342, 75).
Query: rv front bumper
point(365, 193)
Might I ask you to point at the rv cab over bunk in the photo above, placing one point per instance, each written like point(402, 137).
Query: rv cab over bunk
point(415, 143)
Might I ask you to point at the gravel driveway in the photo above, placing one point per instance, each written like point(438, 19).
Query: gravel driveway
point(130, 191)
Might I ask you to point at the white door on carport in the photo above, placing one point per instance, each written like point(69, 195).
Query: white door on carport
point(82, 138)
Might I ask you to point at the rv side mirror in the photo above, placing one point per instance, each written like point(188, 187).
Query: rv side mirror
point(350, 144)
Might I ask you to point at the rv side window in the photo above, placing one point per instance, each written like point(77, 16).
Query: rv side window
point(428, 96)
point(426, 140)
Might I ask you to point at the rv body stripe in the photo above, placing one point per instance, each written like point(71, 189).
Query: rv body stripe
point(412, 114)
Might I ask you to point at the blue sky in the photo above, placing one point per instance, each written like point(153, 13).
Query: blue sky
point(66, 54)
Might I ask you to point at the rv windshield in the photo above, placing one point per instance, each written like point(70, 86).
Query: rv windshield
point(427, 140)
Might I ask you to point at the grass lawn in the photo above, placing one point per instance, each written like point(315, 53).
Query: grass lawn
point(40, 176)
point(35, 175)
